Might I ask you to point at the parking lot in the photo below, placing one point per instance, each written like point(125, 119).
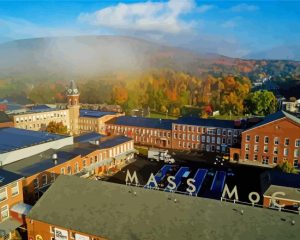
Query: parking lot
point(217, 174)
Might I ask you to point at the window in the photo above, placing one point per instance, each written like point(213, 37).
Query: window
point(208, 139)
point(256, 138)
point(296, 153)
point(213, 139)
point(247, 138)
point(72, 235)
point(224, 132)
point(247, 156)
point(36, 183)
point(52, 229)
point(296, 163)
point(266, 149)
point(266, 140)
point(286, 141)
point(76, 168)
point(203, 130)
point(44, 180)
point(52, 177)
point(255, 148)
point(246, 147)
point(275, 159)
point(203, 139)
point(255, 158)
point(84, 163)
point(69, 170)
point(14, 189)
point(230, 133)
point(219, 131)
point(297, 143)
point(218, 140)
point(3, 194)
point(285, 152)
point(265, 160)
point(4, 212)
point(275, 150)
point(229, 141)
point(276, 140)
point(62, 171)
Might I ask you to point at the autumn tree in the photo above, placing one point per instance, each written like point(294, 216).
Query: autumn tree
point(260, 103)
point(56, 127)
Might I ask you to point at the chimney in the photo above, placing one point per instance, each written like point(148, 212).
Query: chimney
point(54, 158)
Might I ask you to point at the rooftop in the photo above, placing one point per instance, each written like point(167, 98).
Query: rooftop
point(43, 161)
point(7, 177)
point(206, 122)
point(142, 122)
point(4, 117)
point(274, 117)
point(87, 137)
point(114, 141)
point(154, 215)
point(14, 138)
point(290, 193)
point(94, 113)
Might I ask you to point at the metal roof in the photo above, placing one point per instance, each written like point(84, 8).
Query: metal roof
point(7, 177)
point(14, 138)
point(206, 122)
point(43, 161)
point(114, 141)
point(113, 211)
point(4, 117)
point(274, 117)
point(87, 137)
point(143, 122)
point(94, 113)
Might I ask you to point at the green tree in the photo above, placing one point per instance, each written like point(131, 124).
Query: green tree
point(260, 103)
point(56, 127)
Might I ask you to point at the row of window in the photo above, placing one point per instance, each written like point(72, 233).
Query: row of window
point(202, 147)
point(286, 141)
point(275, 150)
point(87, 121)
point(265, 159)
point(14, 191)
point(139, 131)
point(41, 117)
point(210, 131)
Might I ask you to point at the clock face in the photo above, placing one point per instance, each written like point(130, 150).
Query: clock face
point(75, 91)
point(70, 91)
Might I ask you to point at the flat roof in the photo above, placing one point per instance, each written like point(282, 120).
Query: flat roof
point(15, 138)
point(7, 177)
point(113, 211)
point(87, 137)
point(4, 117)
point(114, 141)
point(43, 161)
point(207, 122)
point(142, 122)
point(290, 193)
point(94, 113)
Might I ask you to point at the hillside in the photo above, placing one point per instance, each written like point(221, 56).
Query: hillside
point(25, 64)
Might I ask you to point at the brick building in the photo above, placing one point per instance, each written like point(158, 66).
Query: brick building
point(144, 131)
point(127, 212)
point(274, 140)
point(84, 159)
point(287, 197)
point(76, 120)
point(183, 134)
point(94, 121)
point(11, 195)
point(208, 135)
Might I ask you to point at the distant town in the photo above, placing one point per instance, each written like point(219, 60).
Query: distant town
point(60, 162)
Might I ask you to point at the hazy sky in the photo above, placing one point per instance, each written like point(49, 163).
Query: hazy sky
point(234, 28)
